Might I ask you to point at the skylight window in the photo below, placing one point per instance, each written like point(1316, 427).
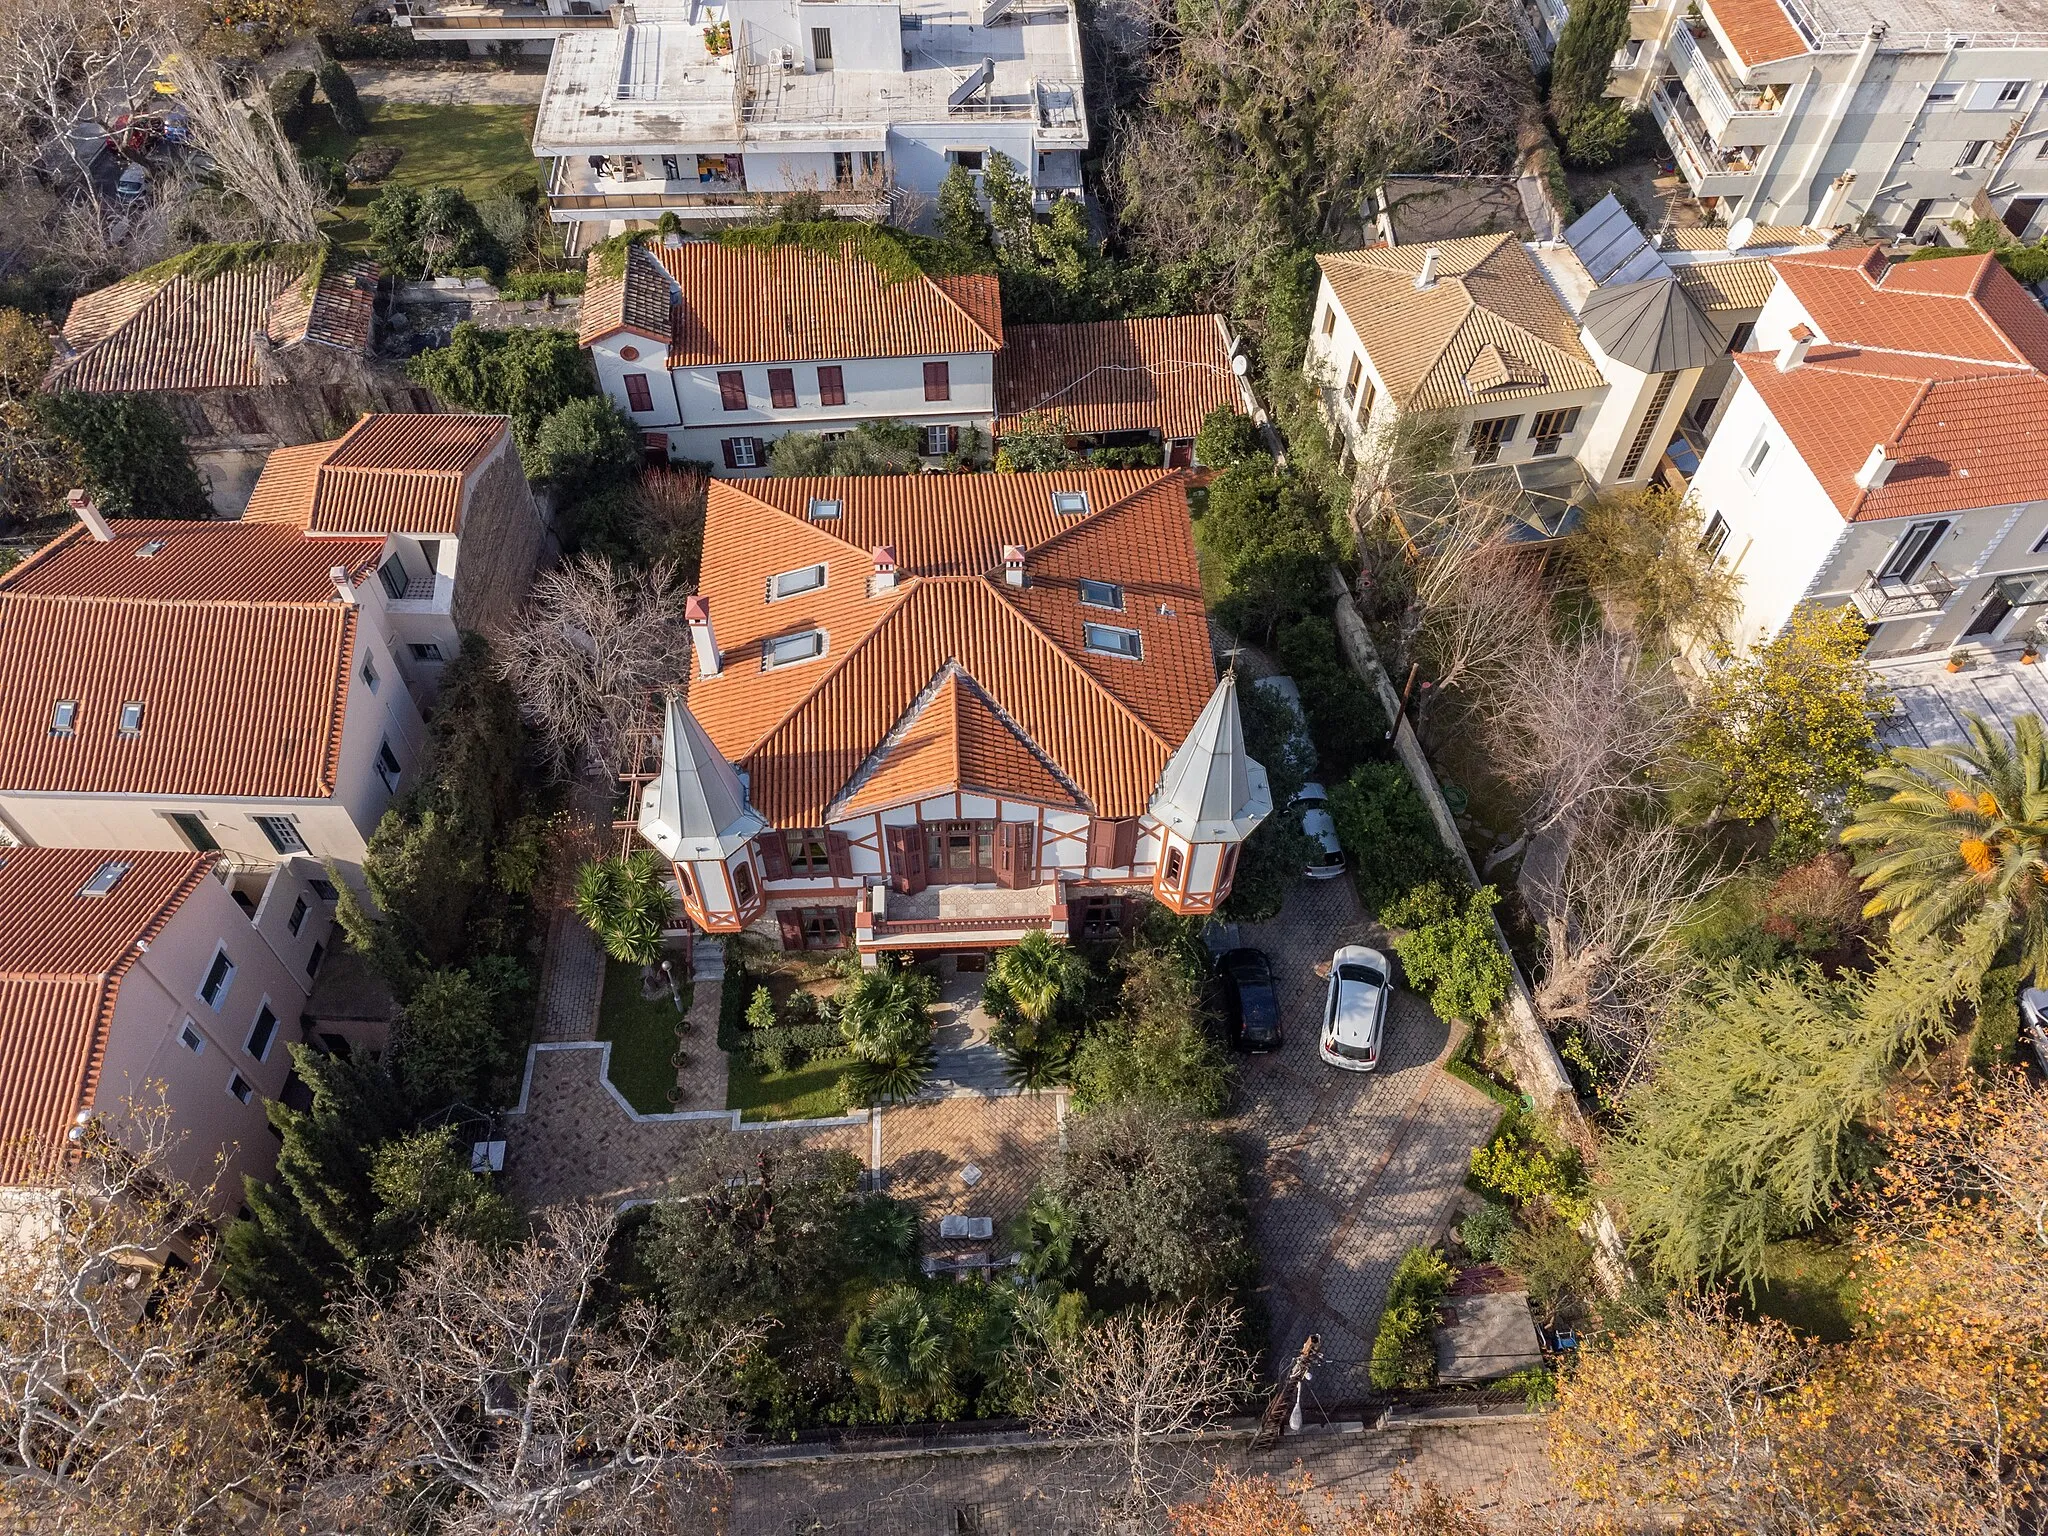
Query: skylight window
point(63, 717)
point(822, 510)
point(1110, 641)
point(1103, 594)
point(108, 876)
point(1072, 503)
point(150, 550)
point(786, 649)
point(789, 583)
point(131, 718)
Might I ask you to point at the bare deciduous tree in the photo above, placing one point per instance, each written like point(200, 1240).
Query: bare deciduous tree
point(591, 645)
point(67, 66)
point(1145, 1383)
point(1612, 915)
point(258, 167)
point(123, 1382)
point(493, 1398)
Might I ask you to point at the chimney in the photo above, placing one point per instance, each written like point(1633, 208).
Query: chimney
point(89, 514)
point(1878, 467)
point(1426, 278)
point(884, 579)
point(1013, 564)
point(1793, 353)
point(697, 610)
point(344, 585)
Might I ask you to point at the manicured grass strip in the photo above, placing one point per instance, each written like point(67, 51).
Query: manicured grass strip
point(643, 1038)
point(808, 1092)
point(471, 147)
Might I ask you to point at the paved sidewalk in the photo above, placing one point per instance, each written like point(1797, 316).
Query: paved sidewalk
point(1348, 1170)
point(967, 1062)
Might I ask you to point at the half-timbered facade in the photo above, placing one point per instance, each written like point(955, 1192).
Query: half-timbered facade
point(938, 713)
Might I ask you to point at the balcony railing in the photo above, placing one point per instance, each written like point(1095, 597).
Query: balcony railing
point(522, 20)
point(1927, 593)
point(1698, 156)
point(1718, 99)
point(941, 915)
point(656, 197)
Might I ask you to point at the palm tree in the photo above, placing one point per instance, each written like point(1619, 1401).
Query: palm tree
point(885, 1015)
point(903, 1349)
point(1031, 986)
point(627, 904)
point(1961, 840)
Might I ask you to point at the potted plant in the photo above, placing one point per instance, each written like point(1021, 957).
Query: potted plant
point(1957, 660)
point(2030, 653)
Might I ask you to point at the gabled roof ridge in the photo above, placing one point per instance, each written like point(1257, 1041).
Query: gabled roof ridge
point(122, 600)
point(1096, 517)
point(1992, 367)
point(878, 756)
point(1891, 439)
point(45, 553)
point(972, 684)
point(995, 342)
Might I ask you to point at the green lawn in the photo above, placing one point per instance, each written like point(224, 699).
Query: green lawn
point(808, 1092)
point(1810, 1287)
point(643, 1037)
point(471, 147)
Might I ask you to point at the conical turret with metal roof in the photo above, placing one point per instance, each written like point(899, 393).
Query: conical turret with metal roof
point(697, 808)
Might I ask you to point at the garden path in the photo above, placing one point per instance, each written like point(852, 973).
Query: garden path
point(967, 1061)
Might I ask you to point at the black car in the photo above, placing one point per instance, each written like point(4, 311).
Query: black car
point(1251, 1007)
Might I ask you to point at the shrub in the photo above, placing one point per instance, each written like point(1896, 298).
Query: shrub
point(872, 448)
point(291, 99)
point(1403, 1351)
point(1137, 456)
point(461, 1032)
point(586, 447)
point(132, 451)
point(377, 43)
point(540, 285)
point(1486, 1229)
point(527, 374)
point(1452, 956)
point(1997, 1034)
point(1387, 833)
point(1228, 437)
point(1527, 1162)
point(1815, 906)
point(1599, 136)
point(420, 234)
point(1266, 535)
point(327, 174)
point(342, 100)
point(1344, 715)
point(1554, 1261)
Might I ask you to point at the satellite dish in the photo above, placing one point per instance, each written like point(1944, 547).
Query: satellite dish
point(1240, 365)
point(1741, 232)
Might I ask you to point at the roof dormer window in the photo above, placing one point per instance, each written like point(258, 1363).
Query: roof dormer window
point(1070, 503)
point(785, 650)
point(1102, 594)
point(1108, 640)
point(807, 578)
point(105, 879)
point(63, 717)
point(131, 718)
point(822, 509)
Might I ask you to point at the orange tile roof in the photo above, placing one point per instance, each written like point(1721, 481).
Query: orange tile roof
point(954, 740)
point(62, 957)
point(1758, 30)
point(1960, 306)
point(639, 299)
point(1160, 375)
point(1106, 725)
point(230, 635)
point(177, 332)
point(782, 303)
point(392, 472)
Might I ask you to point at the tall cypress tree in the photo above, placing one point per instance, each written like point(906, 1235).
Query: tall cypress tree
point(1593, 33)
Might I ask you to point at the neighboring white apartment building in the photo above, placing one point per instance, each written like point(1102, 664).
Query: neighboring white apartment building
point(124, 974)
point(533, 24)
point(1884, 448)
point(1577, 364)
point(707, 110)
point(1837, 112)
point(718, 350)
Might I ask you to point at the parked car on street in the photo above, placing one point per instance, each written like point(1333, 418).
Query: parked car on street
point(2034, 1023)
point(131, 184)
point(1321, 827)
point(1251, 1006)
point(1355, 1013)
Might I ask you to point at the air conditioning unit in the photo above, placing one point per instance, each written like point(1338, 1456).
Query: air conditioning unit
point(781, 58)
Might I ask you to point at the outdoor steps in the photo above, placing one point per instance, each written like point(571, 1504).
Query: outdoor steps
point(707, 960)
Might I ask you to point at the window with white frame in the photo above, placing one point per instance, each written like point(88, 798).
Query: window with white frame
point(1715, 539)
point(1759, 452)
point(63, 716)
point(387, 766)
point(1070, 503)
point(1109, 640)
point(220, 979)
point(938, 442)
point(822, 510)
point(807, 578)
point(262, 1033)
point(190, 1038)
point(131, 717)
point(784, 650)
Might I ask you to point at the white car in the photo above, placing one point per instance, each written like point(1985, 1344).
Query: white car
point(1355, 1014)
point(1314, 804)
point(131, 184)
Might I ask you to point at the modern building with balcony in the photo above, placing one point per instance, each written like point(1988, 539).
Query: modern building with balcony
point(709, 111)
point(938, 713)
point(1882, 449)
point(1848, 113)
point(534, 24)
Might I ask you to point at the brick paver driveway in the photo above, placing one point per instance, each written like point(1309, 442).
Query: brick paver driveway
point(1347, 1170)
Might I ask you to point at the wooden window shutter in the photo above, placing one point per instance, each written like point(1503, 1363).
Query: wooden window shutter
point(725, 447)
point(845, 925)
point(1125, 851)
point(1226, 868)
point(774, 855)
point(1102, 843)
point(791, 922)
point(906, 859)
point(952, 439)
point(839, 851)
point(1006, 856)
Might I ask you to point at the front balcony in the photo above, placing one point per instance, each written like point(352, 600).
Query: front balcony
point(1718, 95)
point(496, 23)
point(1927, 593)
point(1708, 170)
point(958, 916)
point(639, 187)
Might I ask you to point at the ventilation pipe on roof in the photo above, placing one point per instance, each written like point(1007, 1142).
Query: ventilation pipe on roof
point(1878, 467)
point(1793, 353)
point(884, 579)
point(1013, 564)
point(1426, 278)
point(344, 584)
point(89, 514)
point(697, 610)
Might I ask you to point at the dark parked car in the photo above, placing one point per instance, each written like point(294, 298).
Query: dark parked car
point(1251, 1008)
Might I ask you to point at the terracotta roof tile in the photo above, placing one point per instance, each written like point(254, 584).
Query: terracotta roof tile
point(392, 472)
point(1961, 306)
point(803, 731)
point(981, 296)
point(62, 957)
point(1161, 375)
point(1714, 237)
point(774, 304)
point(177, 332)
point(1424, 342)
point(1758, 30)
point(638, 300)
point(230, 636)
point(954, 740)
